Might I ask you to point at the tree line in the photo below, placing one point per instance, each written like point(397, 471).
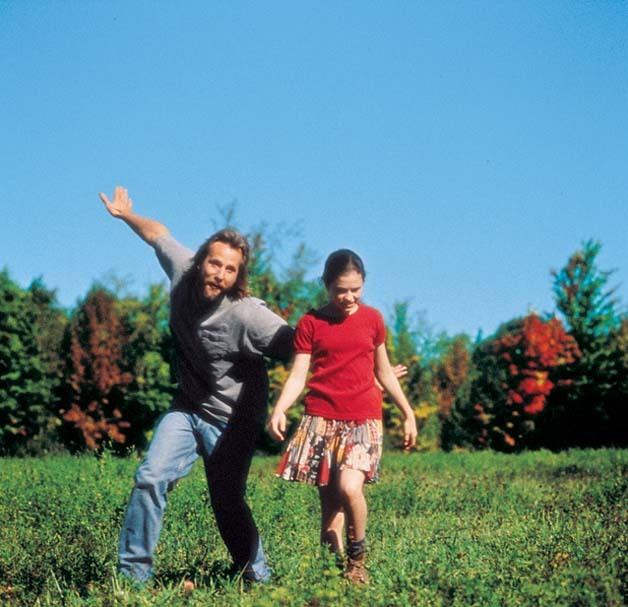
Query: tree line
point(98, 375)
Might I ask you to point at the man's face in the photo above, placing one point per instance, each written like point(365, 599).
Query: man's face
point(219, 270)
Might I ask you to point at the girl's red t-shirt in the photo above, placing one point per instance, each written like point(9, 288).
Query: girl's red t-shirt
point(342, 382)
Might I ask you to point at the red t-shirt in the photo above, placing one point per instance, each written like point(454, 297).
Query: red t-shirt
point(342, 383)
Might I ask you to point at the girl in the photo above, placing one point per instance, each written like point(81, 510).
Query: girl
point(338, 443)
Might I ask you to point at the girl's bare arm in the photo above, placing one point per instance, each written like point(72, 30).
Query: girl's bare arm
point(291, 391)
point(386, 376)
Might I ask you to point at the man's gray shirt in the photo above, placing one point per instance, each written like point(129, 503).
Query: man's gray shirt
point(220, 364)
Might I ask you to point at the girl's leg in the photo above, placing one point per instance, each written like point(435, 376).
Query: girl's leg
point(351, 493)
point(350, 486)
point(332, 517)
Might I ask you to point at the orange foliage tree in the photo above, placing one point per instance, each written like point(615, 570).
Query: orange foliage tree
point(515, 374)
point(95, 380)
point(450, 374)
point(531, 354)
point(450, 381)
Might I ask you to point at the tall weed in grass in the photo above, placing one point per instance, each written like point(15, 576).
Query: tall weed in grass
point(445, 530)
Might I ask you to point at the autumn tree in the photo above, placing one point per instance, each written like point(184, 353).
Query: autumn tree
point(95, 379)
point(450, 373)
point(514, 375)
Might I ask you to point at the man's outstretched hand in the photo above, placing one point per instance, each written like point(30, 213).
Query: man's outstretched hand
point(121, 206)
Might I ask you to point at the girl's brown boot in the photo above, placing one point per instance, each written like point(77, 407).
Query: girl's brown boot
point(356, 562)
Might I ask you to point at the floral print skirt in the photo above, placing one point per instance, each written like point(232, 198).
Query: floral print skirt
point(321, 447)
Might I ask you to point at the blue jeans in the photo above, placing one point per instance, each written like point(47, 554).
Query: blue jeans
point(180, 438)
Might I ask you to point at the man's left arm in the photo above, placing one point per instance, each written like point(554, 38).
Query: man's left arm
point(281, 346)
point(269, 334)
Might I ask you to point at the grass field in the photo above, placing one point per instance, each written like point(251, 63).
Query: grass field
point(461, 529)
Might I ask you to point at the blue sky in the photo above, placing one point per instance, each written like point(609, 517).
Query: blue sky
point(464, 149)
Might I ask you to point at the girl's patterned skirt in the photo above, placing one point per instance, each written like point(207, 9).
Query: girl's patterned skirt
point(322, 447)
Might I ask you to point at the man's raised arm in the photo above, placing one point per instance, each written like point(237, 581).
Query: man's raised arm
point(121, 207)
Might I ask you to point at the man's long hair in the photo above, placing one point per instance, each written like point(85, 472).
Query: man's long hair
point(188, 304)
point(236, 241)
point(186, 297)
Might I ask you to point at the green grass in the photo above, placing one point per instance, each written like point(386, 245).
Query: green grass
point(462, 529)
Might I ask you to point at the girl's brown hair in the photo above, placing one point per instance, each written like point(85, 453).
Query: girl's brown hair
point(339, 262)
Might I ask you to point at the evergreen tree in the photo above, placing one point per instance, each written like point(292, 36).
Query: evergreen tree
point(593, 411)
point(146, 357)
point(51, 321)
point(25, 388)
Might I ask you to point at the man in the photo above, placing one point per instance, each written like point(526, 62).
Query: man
point(221, 336)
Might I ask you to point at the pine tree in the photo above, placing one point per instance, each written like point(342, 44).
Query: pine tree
point(25, 389)
point(591, 412)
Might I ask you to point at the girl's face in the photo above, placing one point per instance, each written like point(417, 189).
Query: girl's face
point(345, 292)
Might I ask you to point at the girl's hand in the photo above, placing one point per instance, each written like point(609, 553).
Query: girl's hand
point(409, 433)
point(277, 426)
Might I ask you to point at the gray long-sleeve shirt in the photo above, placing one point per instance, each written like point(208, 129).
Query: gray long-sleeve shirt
point(220, 353)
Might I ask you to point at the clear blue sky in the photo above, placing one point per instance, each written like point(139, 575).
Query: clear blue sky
point(464, 149)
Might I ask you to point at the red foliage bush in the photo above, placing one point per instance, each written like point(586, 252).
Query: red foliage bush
point(523, 362)
point(96, 379)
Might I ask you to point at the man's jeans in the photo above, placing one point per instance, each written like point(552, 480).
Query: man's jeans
point(180, 438)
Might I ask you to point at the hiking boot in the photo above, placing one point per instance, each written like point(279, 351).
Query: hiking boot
point(356, 569)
